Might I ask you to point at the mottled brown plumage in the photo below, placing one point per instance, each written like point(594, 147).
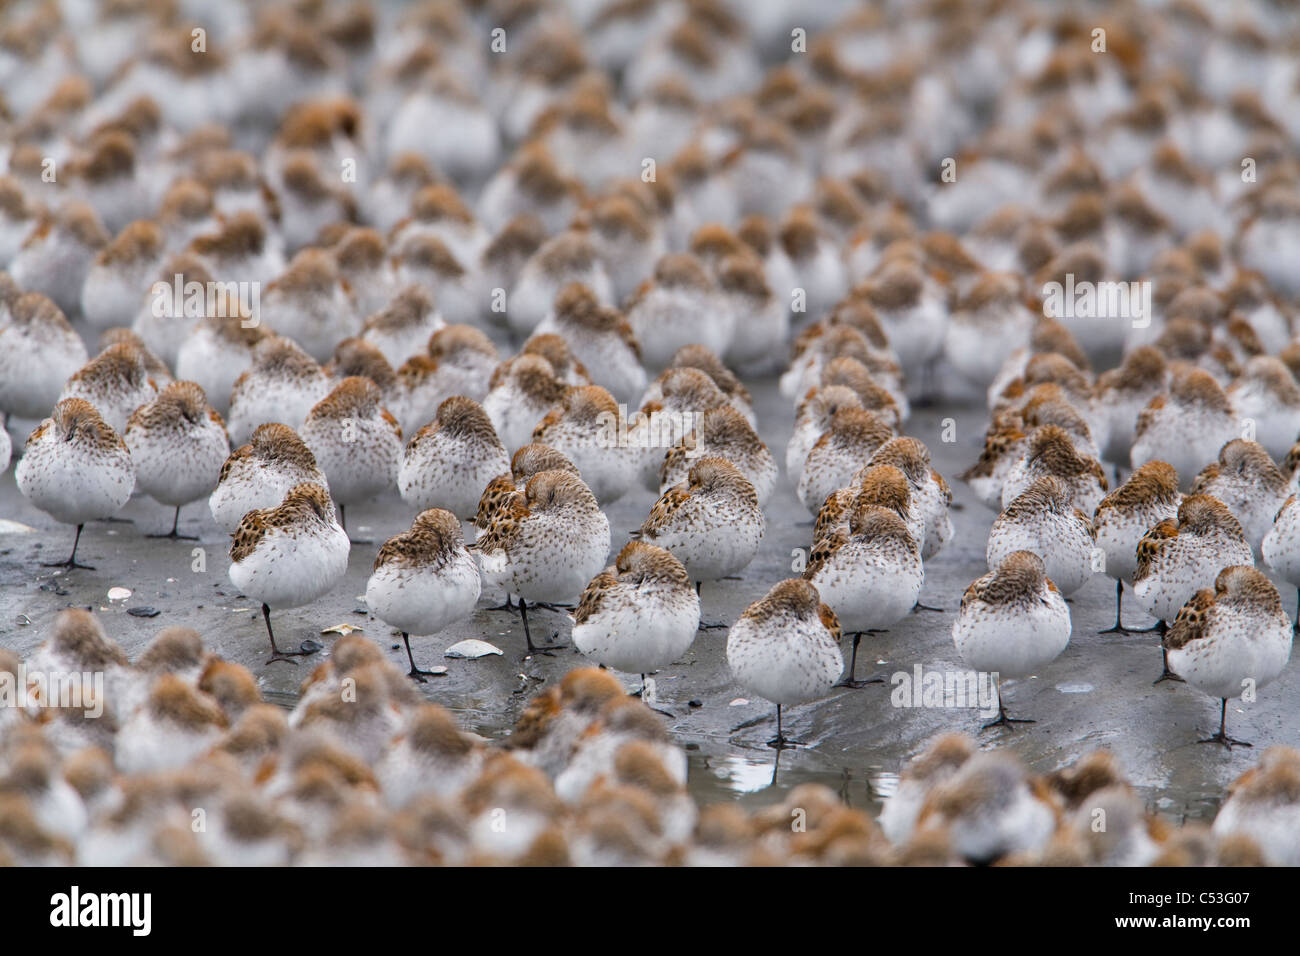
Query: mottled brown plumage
point(433, 537)
point(303, 502)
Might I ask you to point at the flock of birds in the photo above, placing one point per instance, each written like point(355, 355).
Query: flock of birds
point(655, 202)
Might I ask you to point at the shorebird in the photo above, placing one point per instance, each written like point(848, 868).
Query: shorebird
point(289, 555)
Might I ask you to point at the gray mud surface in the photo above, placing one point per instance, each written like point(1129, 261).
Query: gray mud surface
point(1097, 694)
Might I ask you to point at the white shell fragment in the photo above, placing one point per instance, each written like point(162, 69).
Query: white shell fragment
point(472, 649)
point(119, 594)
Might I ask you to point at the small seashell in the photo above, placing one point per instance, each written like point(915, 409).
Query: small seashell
point(342, 630)
point(471, 649)
point(119, 594)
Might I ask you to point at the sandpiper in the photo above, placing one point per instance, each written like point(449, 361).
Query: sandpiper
point(1186, 427)
point(711, 522)
point(639, 615)
point(39, 351)
point(785, 648)
point(722, 432)
point(179, 446)
point(75, 468)
point(871, 577)
point(1013, 621)
point(854, 435)
point(260, 473)
point(1126, 514)
point(449, 462)
point(545, 543)
point(1229, 640)
point(1043, 519)
point(1246, 480)
point(356, 442)
point(289, 555)
point(1179, 557)
point(424, 579)
point(587, 427)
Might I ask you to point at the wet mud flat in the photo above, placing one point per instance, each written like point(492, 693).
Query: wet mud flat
point(1097, 694)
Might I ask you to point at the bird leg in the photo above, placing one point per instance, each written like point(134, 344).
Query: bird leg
point(276, 653)
point(528, 637)
point(1167, 674)
point(851, 680)
point(176, 518)
point(781, 741)
point(72, 558)
point(415, 673)
point(1003, 720)
point(1222, 736)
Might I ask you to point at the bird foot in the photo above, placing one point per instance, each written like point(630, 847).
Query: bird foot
point(784, 743)
point(70, 564)
point(860, 682)
point(1121, 629)
point(1007, 722)
point(1168, 675)
point(547, 651)
point(419, 676)
point(713, 626)
point(925, 607)
point(175, 536)
point(1222, 738)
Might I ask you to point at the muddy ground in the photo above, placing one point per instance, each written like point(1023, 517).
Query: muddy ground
point(1099, 693)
